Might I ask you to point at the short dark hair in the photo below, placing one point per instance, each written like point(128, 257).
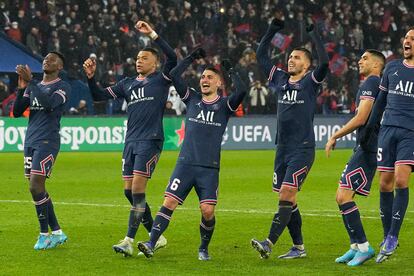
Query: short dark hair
point(307, 53)
point(377, 54)
point(153, 51)
point(214, 69)
point(60, 55)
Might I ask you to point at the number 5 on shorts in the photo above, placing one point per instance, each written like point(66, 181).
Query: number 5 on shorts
point(174, 184)
point(379, 154)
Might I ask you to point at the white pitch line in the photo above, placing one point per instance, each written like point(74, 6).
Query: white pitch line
point(247, 211)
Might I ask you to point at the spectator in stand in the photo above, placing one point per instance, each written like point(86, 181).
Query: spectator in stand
point(257, 98)
point(14, 32)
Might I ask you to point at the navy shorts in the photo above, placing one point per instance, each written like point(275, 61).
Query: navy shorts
point(205, 180)
point(140, 158)
point(292, 166)
point(359, 172)
point(39, 160)
point(395, 147)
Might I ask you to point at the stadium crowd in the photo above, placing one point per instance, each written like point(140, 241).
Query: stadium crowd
point(104, 30)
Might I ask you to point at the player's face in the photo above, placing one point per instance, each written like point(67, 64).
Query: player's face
point(366, 63)
point(146, 63)
point(209, 82)
point(408, 45)
point(52, 64)
point(297, 63)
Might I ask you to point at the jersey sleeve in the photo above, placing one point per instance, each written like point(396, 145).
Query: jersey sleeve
point(276, 75)
point(116, 90)
point(384, 80)
point(190, 93)
point(110, 92)
point(171, 60)
point(21, 102)
point(369, 89)
point(235, 99)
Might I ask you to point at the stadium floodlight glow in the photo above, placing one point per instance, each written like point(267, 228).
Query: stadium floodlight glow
point(222, 10)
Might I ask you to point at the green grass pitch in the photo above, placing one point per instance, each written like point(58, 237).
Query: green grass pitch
point(88, 194)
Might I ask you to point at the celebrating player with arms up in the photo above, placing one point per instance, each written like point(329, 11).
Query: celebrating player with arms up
point(46, 101)
point(199, 160)
point(395, 156)
point(146, 96)
point(360, 170)
point(296, 91)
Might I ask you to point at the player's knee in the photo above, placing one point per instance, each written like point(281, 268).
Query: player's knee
point(288, 194)
point(401, 182)
point(386, 182)
point(139, 184)
point(207, 211)
point(37, 184)
point(170, 203)
point(342, 197)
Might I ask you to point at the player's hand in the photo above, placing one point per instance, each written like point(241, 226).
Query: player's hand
point(89, 66)
point(143, 27)
point(198, 53)
point(25, 75)
point(330, 145)
point(310, 28)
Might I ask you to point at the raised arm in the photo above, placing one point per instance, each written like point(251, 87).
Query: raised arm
point(323, 60)
point(237, 96)
point(22, 101)
point(179, 83)
point(262, 52)
point(98, 94)
point(144, 28)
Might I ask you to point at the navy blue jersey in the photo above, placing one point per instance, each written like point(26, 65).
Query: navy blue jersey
point(368, 90)
point(146, 98)
point(296, 100)
point(398, 82)
point(46, 101)
point(204, 128)
point(296, 103)
point(206, 121)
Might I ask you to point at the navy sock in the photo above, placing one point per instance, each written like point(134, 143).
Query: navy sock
point(351, 235)
point(353, 220)
point(386, 203)
point(160, 224)
point(147, 220)
point(128, 195)
point(398, 210)
point(280, 220)
point(206, 231)
point(40, 201)
point(52, 220)
point(295, 226)
point(136, 213)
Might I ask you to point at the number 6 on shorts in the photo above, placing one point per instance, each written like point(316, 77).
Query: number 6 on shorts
point(174, 184)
